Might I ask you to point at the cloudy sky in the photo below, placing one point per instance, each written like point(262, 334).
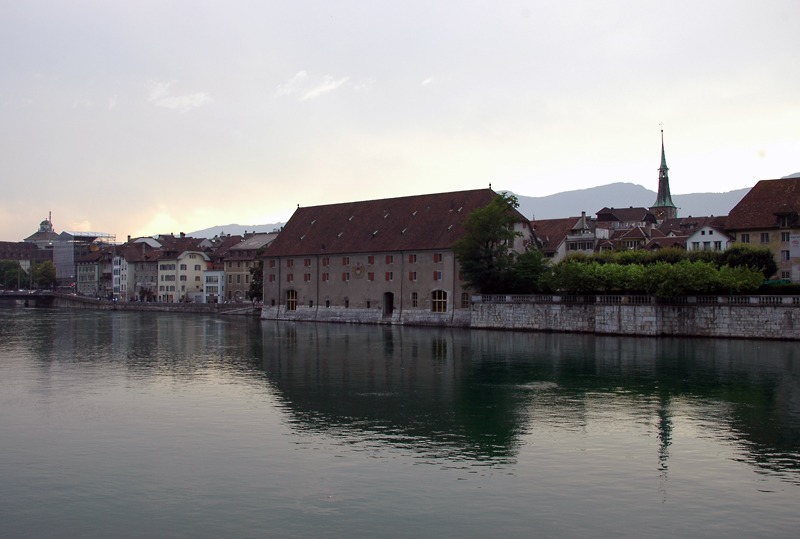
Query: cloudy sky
point(153, 117)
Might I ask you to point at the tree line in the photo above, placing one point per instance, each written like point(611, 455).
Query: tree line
point(41, 275)
point(491, 266)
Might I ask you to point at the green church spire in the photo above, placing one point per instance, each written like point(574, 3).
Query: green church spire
point(663, 208)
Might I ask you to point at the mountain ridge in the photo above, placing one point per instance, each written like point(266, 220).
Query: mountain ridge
point(567, 204)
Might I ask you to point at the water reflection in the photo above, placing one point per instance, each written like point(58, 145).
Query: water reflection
point(478, 394)
point(452, 395)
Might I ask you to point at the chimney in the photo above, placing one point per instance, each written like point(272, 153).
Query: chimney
point(129, 238)
point(183, 234)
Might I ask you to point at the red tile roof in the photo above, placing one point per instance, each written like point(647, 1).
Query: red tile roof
point(551, 232)
point(760, 205)
point(420, 222)
point(626, 215)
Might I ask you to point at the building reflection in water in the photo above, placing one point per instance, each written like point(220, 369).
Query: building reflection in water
point(475, 395)
point(455, 394)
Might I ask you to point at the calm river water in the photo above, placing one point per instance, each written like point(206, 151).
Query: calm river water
point(164, 425)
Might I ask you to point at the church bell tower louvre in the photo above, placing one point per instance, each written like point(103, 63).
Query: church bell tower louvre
point(663, 208)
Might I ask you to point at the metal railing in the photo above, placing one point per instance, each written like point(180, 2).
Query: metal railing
point(620, 299)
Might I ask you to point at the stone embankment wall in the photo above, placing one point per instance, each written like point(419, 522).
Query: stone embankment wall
point(347, 315)
point(752, 317)
point(81, 302)
point(755, 317)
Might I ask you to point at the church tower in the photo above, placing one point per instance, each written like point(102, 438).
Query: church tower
point(663, 208)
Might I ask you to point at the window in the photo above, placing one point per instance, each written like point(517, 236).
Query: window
point(345, 276)
point(326, 261)
point(192, 255)
point(389, 259)
point(307, 262)
point(765, 237)
point(414, 299)
point(272, 277)
point(784, 237)
point(786, 275)
point(784, 255)
point(345, 261)
point(239, 278)
point(745, 238)
point(439, 301)
point(370, 260)
point(389, 275)
point(183, 267)
point(464, 300)
point(247, 279)
point(291, 300)
point(412, 275)
point(197, 267)
point(306, 277)
point(437, 275)
point(271, 263)
point(371, 276)
point(695, 246)
point(230, 279)
point(783, 221)
point(412, 259)
point(183, 277)
point(717, 245)
point(325, 277)
point(289, 277)
point(437, 257)
point(289, 262)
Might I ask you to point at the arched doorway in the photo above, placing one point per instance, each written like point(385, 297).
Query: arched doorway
point(388, 304)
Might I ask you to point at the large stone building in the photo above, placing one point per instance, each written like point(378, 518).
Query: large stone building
point(387, 260)
point(769, 216)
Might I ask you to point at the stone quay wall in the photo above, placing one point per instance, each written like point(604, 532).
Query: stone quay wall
point(82, 302)
point(752, 317)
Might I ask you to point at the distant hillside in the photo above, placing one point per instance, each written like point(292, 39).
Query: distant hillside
point(622, 195)
point(233, 230)
point(567, 204)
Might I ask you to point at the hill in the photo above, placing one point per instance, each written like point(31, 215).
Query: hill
point(620, 195)
point(233, 230)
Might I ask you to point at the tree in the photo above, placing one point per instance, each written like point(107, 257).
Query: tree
point(12, 275)
point(44, 274)
point(257, 281)
point(759, 258)
point(485, 252)
point(531, 273)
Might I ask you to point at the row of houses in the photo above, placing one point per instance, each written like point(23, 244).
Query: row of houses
point(392, 259)
point(164, 268)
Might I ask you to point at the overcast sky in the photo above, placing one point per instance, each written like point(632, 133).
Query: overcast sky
point(155, 117)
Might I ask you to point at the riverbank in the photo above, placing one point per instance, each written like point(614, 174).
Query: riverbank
point(751, 317)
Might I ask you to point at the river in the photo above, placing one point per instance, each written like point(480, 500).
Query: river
point(131, 424)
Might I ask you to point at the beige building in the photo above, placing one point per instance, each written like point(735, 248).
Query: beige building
point(240, 261)
point(768, 216)
point(379, 261)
